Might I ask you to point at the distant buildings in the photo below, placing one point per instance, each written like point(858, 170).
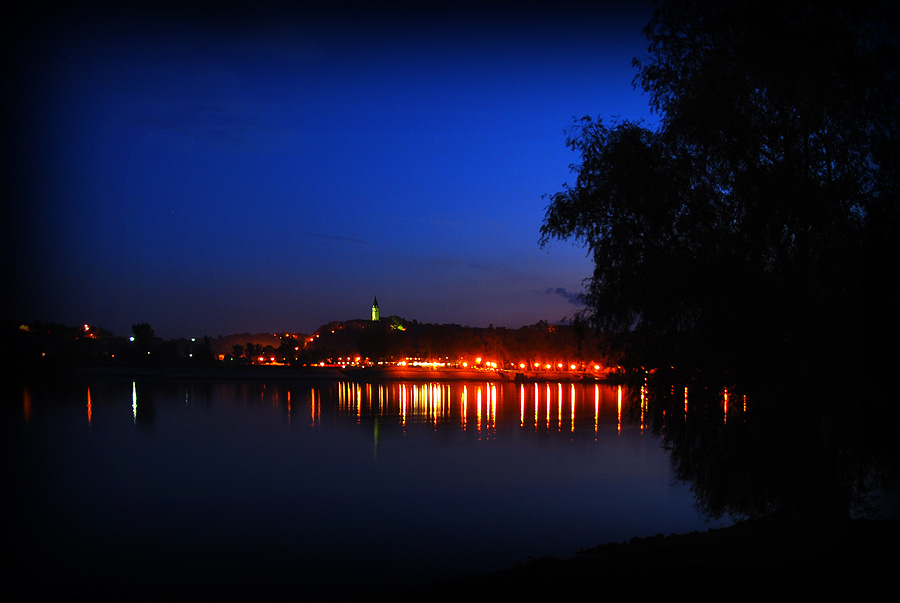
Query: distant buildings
point(375, 313)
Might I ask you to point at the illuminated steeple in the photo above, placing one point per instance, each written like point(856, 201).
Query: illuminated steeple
point(375, 315)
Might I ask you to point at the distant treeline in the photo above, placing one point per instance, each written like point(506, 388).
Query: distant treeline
point(48, 345)
point(395, 339)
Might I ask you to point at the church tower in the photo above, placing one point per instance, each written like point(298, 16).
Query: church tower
point(375, 315)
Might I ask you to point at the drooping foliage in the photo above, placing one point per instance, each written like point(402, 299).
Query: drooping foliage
point(749, 244)
point(752, 217)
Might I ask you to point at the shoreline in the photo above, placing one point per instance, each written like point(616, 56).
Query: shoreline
point(326, 373)
point(747, 561)
point(458, 374)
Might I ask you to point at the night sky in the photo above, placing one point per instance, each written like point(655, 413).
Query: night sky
point(222, 171)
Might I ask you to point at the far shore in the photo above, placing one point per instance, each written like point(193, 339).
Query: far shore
point(331, 373)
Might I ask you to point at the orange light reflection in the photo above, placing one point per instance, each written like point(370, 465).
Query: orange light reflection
point(478, 410)
point(572, 411)
point(464, 406)
point(26, 404)
point(521, 406)
point(559, 399)
point(619, 412)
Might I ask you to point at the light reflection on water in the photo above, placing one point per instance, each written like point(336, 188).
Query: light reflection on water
point(542, 407)
point(334, 482)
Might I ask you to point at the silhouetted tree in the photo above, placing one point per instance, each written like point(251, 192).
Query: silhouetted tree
point(201, 353)
point(287, 348)
point(146, 344)
point(143, 332)
point(745, 238)
point(749, 221)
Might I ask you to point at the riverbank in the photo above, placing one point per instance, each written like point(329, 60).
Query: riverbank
point(251, 372)
point(749, 561)
point(400, 373)
point(313, 373)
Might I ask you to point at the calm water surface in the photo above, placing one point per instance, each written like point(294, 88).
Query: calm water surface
point(336, 485)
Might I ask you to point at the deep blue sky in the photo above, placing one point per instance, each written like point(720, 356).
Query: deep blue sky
point(268, 170)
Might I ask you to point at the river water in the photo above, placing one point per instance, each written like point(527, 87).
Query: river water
point(337, 487)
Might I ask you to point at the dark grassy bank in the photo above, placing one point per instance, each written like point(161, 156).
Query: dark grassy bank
point(754, 560)
point(751, 561)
